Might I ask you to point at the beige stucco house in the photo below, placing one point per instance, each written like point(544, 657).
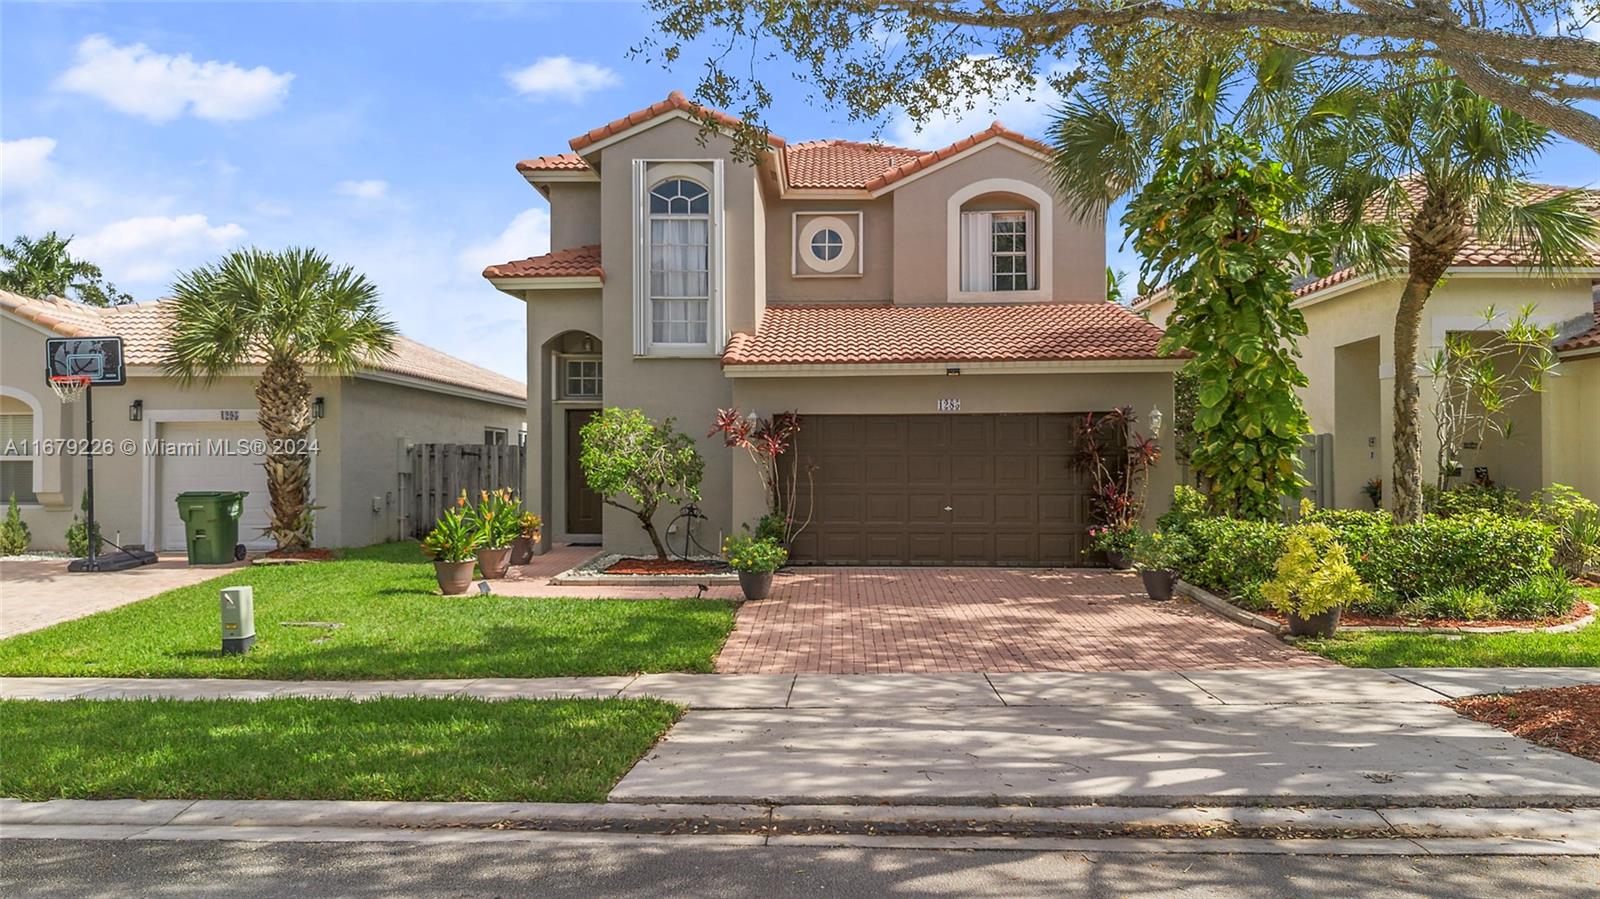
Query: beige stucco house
point(418, 395)
point(937, 318)
point(1348, 357)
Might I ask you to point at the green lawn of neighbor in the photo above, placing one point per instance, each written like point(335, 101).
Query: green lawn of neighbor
point(414, 749)
point(1579, 649)
point(395, 625)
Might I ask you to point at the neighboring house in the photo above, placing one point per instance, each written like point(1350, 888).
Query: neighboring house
point(937, 318)
point(418, 395)
point(1348, 357)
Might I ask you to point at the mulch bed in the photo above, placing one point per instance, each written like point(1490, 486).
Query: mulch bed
point(309, 555)
point(1356, 619)
point(666, 566)
point(1564, 718)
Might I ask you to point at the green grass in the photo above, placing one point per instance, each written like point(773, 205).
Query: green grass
point(416, 749)
point(1579, 649)
point(395, 625)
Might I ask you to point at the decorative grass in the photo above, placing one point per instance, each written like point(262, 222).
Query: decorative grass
point(393, 624)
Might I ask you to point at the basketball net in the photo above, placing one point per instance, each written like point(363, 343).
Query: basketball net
point(69, 388)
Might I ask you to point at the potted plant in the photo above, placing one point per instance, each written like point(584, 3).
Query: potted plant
point(755, 558)
point(499, 520)
point(453, 544)
point(1116, 541)
point(1157, 556)
point(1314, 582)
point(527, 539)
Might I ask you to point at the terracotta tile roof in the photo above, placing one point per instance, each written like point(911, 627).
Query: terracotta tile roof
point(674, 101)
point(1588, 340)
point(561, 162)
point(842, 163)
point(1032, 332)
point(925, 160)
point(143, 329)
point(577, 262)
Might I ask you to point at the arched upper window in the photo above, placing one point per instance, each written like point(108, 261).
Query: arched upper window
point(680, 262)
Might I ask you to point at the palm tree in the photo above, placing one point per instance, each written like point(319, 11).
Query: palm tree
point(294, 313)
point(43, 267)
point(1412, 176)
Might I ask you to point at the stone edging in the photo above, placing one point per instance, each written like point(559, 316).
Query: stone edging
point(589, 573)
point(1244, 616)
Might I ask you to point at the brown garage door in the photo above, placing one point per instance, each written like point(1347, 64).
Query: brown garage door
point(942, 490)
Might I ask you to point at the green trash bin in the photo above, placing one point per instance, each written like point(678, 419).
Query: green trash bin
point(211, 525)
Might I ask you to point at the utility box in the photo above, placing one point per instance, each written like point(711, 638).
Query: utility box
point(238, 619)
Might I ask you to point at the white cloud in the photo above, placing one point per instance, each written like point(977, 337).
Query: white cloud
point(562, 78)
point(149, 248)
point(370, 189)
point(25, 162)
point(1026, 112)
point(139, 81)
point(527, 235)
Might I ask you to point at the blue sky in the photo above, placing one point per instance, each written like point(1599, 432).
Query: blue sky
point(385, 134)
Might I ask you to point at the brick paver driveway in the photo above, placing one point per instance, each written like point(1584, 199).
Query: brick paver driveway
point(37, 593)
point(876, 620)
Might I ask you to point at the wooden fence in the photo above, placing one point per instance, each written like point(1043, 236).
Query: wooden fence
point(438, 472)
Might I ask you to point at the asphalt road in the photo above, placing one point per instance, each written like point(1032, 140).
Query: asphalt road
point(302, 870)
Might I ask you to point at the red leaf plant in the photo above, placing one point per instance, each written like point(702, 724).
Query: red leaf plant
point(1118, 460)
point(767, 440)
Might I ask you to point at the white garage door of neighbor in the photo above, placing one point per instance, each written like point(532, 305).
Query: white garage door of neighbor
point(211, 471)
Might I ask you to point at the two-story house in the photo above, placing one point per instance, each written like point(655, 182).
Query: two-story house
point(937, 318)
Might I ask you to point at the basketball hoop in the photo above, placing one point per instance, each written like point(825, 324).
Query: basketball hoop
point(69, 388)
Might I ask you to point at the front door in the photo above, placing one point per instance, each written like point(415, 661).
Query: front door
point(583, 504)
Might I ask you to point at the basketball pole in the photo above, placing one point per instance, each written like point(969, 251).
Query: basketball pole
point(88, 434)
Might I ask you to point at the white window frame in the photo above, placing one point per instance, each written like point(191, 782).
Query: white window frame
point(562, 394)
point(646, 173)
point(851, 220)
point(37, 410)
point(503, 433)
point(1043, 242)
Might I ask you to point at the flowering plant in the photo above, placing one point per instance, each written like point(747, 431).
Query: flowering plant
point(1117, 538)
point(455, 536)
point(498, 517)
point(755, 554)
point(531, 525)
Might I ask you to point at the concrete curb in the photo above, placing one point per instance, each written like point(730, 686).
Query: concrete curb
point(1227, 609)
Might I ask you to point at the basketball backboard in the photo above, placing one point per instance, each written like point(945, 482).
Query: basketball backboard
point(98, 358)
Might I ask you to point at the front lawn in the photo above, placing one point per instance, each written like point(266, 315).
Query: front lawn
point(393, 749)
point(1579, 649)
point(393, 624)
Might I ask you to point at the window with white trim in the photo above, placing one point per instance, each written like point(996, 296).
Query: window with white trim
point(581, 379)
point(679, 296)
point(16, 459)
point(495, 436)
point(998, 252)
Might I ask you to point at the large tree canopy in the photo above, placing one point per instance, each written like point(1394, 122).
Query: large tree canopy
point(927, 56)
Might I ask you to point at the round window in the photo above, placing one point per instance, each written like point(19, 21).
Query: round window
point(827, 244)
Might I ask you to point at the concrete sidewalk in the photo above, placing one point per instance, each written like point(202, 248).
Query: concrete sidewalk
point(1332, 686)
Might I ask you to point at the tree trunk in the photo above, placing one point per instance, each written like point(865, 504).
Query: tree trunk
point(284, 396)
point(1435, 235)
point(655, 538)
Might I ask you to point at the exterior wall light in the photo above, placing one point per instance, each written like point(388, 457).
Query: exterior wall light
point(136, 410)
point(319, 408)
point(1155, 421)
point(952, 372)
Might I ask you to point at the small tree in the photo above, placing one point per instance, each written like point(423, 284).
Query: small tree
point(1477, 376)
point(766, 440)
point(627, 454)
point(14, 536)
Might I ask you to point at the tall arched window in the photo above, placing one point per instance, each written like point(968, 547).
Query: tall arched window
point(680, 262)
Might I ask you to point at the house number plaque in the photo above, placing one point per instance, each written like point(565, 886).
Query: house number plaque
point(949, 405)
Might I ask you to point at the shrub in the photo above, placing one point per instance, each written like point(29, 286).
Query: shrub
point(1486, 552)
point(1110, 538)
point(1234, 557)
point(498, 518)
point(1188, 504)
point(1466, 603)
point(14, 535)
point(756, 554)
point(455, 537)
point(1545, 595)
point(1161, 550)
point(1313, 575)
point(78, 531)
point(1472, 499)
point(1577, 523)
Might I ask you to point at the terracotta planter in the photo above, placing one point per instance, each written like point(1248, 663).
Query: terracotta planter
point(522, 550)
point(454, 577)
point(494, 562)
point(1117, 560)
point(755, 584)
point(1158, 584)
point(1322, 625)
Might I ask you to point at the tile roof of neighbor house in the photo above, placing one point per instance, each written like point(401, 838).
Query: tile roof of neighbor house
point(1588, 340)
point(577, 262)
point(1008, 332)
point(817, 164)
point(143, 329)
